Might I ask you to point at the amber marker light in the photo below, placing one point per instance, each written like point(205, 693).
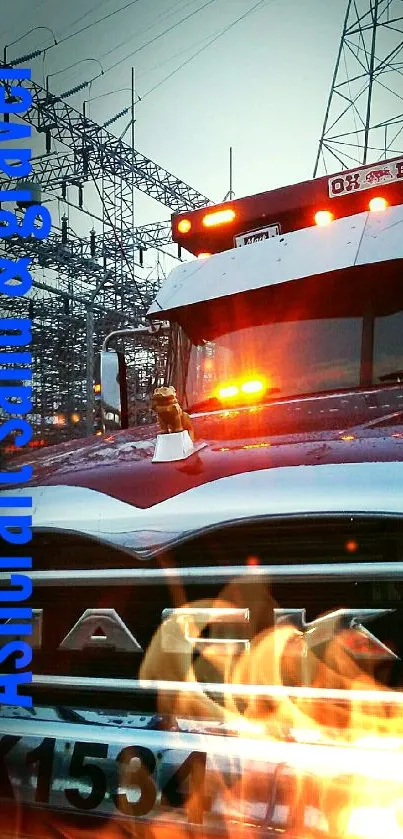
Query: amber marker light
point(378, 204)
point(184, 225)
point(203, 255)
point(218, 217)
point(323, 218)
point(252, 387)
point(228, 391)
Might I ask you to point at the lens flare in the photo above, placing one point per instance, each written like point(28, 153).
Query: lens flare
point(373, 822)
point(351, 546)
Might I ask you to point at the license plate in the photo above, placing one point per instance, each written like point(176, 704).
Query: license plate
point(174, 777)
point(257, 235)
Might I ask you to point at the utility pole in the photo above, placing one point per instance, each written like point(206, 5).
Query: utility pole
point(230, 194)
point(132, 140)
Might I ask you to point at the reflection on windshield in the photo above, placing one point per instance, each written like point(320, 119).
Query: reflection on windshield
point(388, 348)
point(293, 357)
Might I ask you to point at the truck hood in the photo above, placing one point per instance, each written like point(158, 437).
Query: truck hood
point(315, 455)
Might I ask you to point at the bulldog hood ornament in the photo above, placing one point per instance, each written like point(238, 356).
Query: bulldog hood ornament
point(176, 438)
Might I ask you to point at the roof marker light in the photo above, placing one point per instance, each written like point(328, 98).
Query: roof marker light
point(323, 218)
point(203, 255)
point(218, 217)
point(184, 225)
point(378, 204)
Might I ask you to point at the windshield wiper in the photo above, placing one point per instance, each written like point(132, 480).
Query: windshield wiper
point(394, 376)
point(212, 403)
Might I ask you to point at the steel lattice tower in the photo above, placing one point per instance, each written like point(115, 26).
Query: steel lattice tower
point(88, 282)
point(364, 115)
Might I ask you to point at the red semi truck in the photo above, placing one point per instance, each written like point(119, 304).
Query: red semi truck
point(218, 618)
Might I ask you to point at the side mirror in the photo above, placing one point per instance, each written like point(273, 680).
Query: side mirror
point(113, 395)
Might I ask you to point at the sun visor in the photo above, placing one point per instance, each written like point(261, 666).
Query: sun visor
point(363, 239)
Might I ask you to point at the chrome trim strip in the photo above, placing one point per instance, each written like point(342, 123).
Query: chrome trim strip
point(164, 687)
point(156, 576)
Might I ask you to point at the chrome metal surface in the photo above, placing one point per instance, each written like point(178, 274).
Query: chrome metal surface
point(111, 391)
point(128, 333)
point(263, 573)
point(100, 628)
point(161, 686)
point(178, 625)
point(322, 489)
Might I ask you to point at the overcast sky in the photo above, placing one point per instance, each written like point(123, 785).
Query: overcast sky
point(262, 87)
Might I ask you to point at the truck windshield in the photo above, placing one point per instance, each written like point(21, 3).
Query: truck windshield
point(294, 357)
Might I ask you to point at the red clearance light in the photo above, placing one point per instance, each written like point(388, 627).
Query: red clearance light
point(218, 217)
point(378, 204)
point(203, 255)
point(184, 225)
point(323, 218)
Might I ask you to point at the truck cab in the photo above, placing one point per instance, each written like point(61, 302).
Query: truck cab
point(218, 618)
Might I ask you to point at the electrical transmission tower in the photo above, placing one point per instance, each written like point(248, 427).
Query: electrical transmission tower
point(89, 276)
point(364, 115)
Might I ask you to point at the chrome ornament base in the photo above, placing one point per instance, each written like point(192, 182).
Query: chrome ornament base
point(175, 446)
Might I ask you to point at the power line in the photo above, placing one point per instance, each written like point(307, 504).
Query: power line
point(165, 32)
point(35, 8)
point(171, 58)
point(195, 54)
point(172, 10)
point(209, 43)
point(94, 23)
point(96, 6)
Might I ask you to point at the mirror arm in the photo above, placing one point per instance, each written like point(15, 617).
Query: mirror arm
point(133, 332)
